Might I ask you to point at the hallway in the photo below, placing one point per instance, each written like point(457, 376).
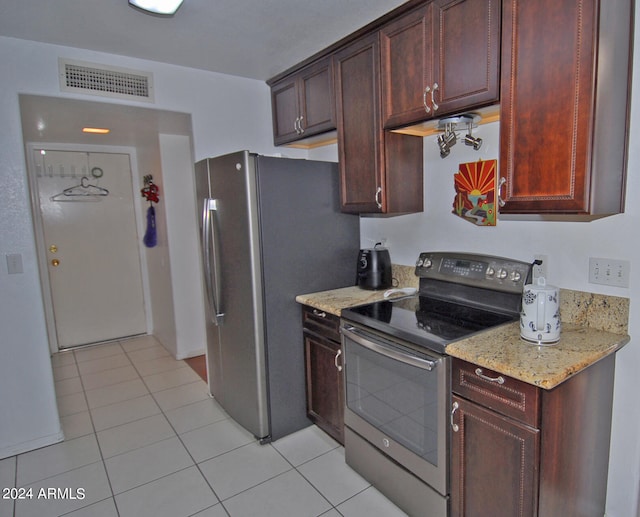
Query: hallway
point(143, 438)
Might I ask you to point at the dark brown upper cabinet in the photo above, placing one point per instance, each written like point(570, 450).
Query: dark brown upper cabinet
point(441, 58)
point(564, 106)
point(303, 103)
point(380, 171)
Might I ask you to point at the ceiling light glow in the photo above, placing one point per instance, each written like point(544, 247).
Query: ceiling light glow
point(96, 130)
point(166, 7)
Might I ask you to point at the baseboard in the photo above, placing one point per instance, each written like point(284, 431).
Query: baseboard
point(192, 353)
point(30, 445)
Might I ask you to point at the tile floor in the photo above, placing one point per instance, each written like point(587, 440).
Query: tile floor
point(143, 438)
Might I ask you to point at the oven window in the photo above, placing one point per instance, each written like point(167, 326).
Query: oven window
point(399, 399)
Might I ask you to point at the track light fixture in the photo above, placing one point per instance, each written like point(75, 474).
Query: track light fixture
point(469, 139)
point(449, 137)
point(447, 140)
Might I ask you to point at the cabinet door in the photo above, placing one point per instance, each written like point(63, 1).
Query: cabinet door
point(407, 55)
point(548, 94)
point(466, 63)
point(360, 134)
point(325, 388)
point(494, 464)
point(380, 172)
point(284, 105)
point(317, 102)
point(441, 58)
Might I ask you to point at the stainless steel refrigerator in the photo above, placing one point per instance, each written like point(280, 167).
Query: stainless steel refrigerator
point(271, 228)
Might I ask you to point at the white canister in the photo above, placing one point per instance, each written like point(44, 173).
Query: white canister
point(540, 316)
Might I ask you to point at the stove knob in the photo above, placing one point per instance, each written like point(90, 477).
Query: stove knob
point(502, 273)
point(490, 272)
point(515, 276)
point(427, 263)
point(419, 262)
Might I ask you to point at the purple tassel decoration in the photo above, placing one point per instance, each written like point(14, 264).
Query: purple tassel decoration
point(150, 236)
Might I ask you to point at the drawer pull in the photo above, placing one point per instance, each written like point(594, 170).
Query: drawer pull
point(321, 314)
point(335, 360)
point(454, 427)
point(498, 380)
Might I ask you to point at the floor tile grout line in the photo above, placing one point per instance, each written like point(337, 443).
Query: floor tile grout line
point(79, 352)
point(87, 506)
point(95, 435)
point(115, 501)
point(195, 463)
point(179, 436)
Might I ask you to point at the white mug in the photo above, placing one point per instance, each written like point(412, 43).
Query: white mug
point(540, 315)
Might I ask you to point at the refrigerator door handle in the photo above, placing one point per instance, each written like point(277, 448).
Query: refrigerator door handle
point(211, 259)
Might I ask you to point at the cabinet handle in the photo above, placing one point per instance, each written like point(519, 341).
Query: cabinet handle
point(335, 360)
point(300, 119)
point(377, 198)
point(498, 380)
point(322, 314)
point(295, 126)
point(433, 100)
point(424, 99)
point(454, 427)
point(501, 202)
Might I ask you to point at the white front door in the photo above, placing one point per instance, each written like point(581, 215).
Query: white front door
point(92, 250)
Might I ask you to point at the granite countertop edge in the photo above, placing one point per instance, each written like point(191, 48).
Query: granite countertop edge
point(546, 366)
point(501, 349)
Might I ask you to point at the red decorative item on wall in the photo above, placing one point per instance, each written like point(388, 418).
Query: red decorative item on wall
point(151, 193)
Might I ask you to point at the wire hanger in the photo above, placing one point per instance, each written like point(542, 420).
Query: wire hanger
point(83, 190)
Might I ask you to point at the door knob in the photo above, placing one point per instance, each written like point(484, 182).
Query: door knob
point(55, 262)
point(53, 248)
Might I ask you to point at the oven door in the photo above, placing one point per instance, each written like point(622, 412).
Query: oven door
point(397, 399)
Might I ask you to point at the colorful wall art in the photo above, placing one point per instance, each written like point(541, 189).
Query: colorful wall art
point(476, 192)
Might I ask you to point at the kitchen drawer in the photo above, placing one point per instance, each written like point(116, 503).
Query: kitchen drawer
point(505, 395)
point(321, 322)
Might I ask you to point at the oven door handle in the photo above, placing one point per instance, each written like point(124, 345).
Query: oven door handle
point(375, 345)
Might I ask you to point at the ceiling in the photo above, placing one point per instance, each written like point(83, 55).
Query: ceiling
point(248, 38)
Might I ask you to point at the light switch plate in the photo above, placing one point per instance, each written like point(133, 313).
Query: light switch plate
point(14, 263)
point(607, 271)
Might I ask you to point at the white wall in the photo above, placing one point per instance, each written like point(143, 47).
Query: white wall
point(228, 114)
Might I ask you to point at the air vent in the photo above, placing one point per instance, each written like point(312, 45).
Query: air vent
point(76, 76)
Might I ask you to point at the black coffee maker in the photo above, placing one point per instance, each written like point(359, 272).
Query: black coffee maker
point(374, 268)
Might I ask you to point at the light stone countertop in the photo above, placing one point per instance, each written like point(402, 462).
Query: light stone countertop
point(335, 300)
point(503, 350)
point(593, 326)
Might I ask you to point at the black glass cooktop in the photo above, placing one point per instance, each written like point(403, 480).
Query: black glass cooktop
point(425, 321)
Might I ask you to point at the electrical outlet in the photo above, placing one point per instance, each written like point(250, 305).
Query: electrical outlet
point(609, 272)
point(540, 270)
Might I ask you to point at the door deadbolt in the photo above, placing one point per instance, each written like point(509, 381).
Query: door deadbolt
point(53, 248)
point(55, 262)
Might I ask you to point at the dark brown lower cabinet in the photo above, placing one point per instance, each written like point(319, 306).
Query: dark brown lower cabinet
point(522, 451)
point(494, 464)
point(324, 380)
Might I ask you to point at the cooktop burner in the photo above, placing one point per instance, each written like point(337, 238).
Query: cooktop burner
point(427, 322)
point(459, 295)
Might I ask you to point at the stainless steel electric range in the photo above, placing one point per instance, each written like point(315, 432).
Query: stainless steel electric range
point(397, 372)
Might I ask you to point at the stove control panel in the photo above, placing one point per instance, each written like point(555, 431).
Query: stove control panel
point(486, 271)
